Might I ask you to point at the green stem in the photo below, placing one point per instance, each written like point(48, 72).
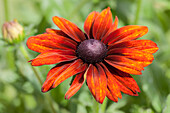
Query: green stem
point(10, 56)
point(137, 11)
point(24, 52)
point(103, 106)
point(6, 10)
point(26, 55)
point(96, 106)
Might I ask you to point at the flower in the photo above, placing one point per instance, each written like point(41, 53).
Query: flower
point(104, 56)
point(12, 32)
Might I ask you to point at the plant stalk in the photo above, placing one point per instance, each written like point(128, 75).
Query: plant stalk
point(103, 106)
point(26, 55)
point(96, 106)
point(6, 10)
point(137, 11)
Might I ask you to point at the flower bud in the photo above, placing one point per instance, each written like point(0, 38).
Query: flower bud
point(12, 32)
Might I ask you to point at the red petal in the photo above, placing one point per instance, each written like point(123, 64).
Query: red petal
point(143, 45)
point(129, 87)
point(102, 24)
point(90, 79)
point(124, 79)
point(89, 22)
point(56, 32)
point(110, 96)
point(53, 57)
point(69, 28)
point(45, 42)
point(124, 64)
point(97, 83)
point(53, 74)
point(75, 86)
point(111, 83)
point(76, 67)
point(143, 58)
point(126, 33)
point(111, 29)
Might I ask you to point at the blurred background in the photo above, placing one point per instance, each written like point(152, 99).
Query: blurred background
point(20, 90)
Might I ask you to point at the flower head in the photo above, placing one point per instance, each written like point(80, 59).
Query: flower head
point(104, 56)
point(12, 31)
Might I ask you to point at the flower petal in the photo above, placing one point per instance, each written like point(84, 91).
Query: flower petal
point(61, 72)
point(126, 33)
point(143, 45)
point(75, 86)
point(69, 28)
point(97, 83)
point(111, 29)
point(76, 67)
point(126, 82)
point(110, 96)
point(45, 42)
point(111, 83)
point(53, 74)
point(129, 87)
point(142, 57)
point(102, 24)
point(89, 23)
point(124, 64)
point(56, 32)
point(53, 57)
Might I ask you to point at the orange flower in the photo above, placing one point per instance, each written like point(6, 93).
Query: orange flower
point(104, 55)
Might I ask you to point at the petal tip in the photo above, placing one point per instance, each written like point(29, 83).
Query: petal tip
point(43, 90)
point(30, 60)
point(67, 97)
point(145, 29)
point(55, 18)
point(116, 19)
point(108, 8)
point(100, 101)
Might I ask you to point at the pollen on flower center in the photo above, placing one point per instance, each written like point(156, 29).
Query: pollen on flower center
point(91, 51)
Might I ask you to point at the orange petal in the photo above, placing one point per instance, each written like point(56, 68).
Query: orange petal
point(126, 33)
point(110, 96)
point(129, 87)
point(45, 42)
point(97, 83)
point(111, 83)
point(56, 32)
point(76, 67)
point(53, 74)
point(111, 29)
point(143, 45)
point(125, 80)
point(102, 24)
point(124, 64)
point(89, 22)
point(69, 28)
point(143, 58)
point(53, 57)
point(75, 86)
point(90, 79)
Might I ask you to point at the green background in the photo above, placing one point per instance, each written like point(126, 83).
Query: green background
point(20, 91)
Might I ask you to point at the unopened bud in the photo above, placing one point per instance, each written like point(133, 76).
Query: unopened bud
point(12, 32)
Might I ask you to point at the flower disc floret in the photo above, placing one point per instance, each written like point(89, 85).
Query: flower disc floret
point(91, 51)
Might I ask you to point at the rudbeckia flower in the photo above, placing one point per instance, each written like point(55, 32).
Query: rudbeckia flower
point(104, 56)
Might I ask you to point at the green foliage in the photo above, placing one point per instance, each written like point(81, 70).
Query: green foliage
point(20, 90)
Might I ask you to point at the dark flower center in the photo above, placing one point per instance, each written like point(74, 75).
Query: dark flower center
point(91, 51)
